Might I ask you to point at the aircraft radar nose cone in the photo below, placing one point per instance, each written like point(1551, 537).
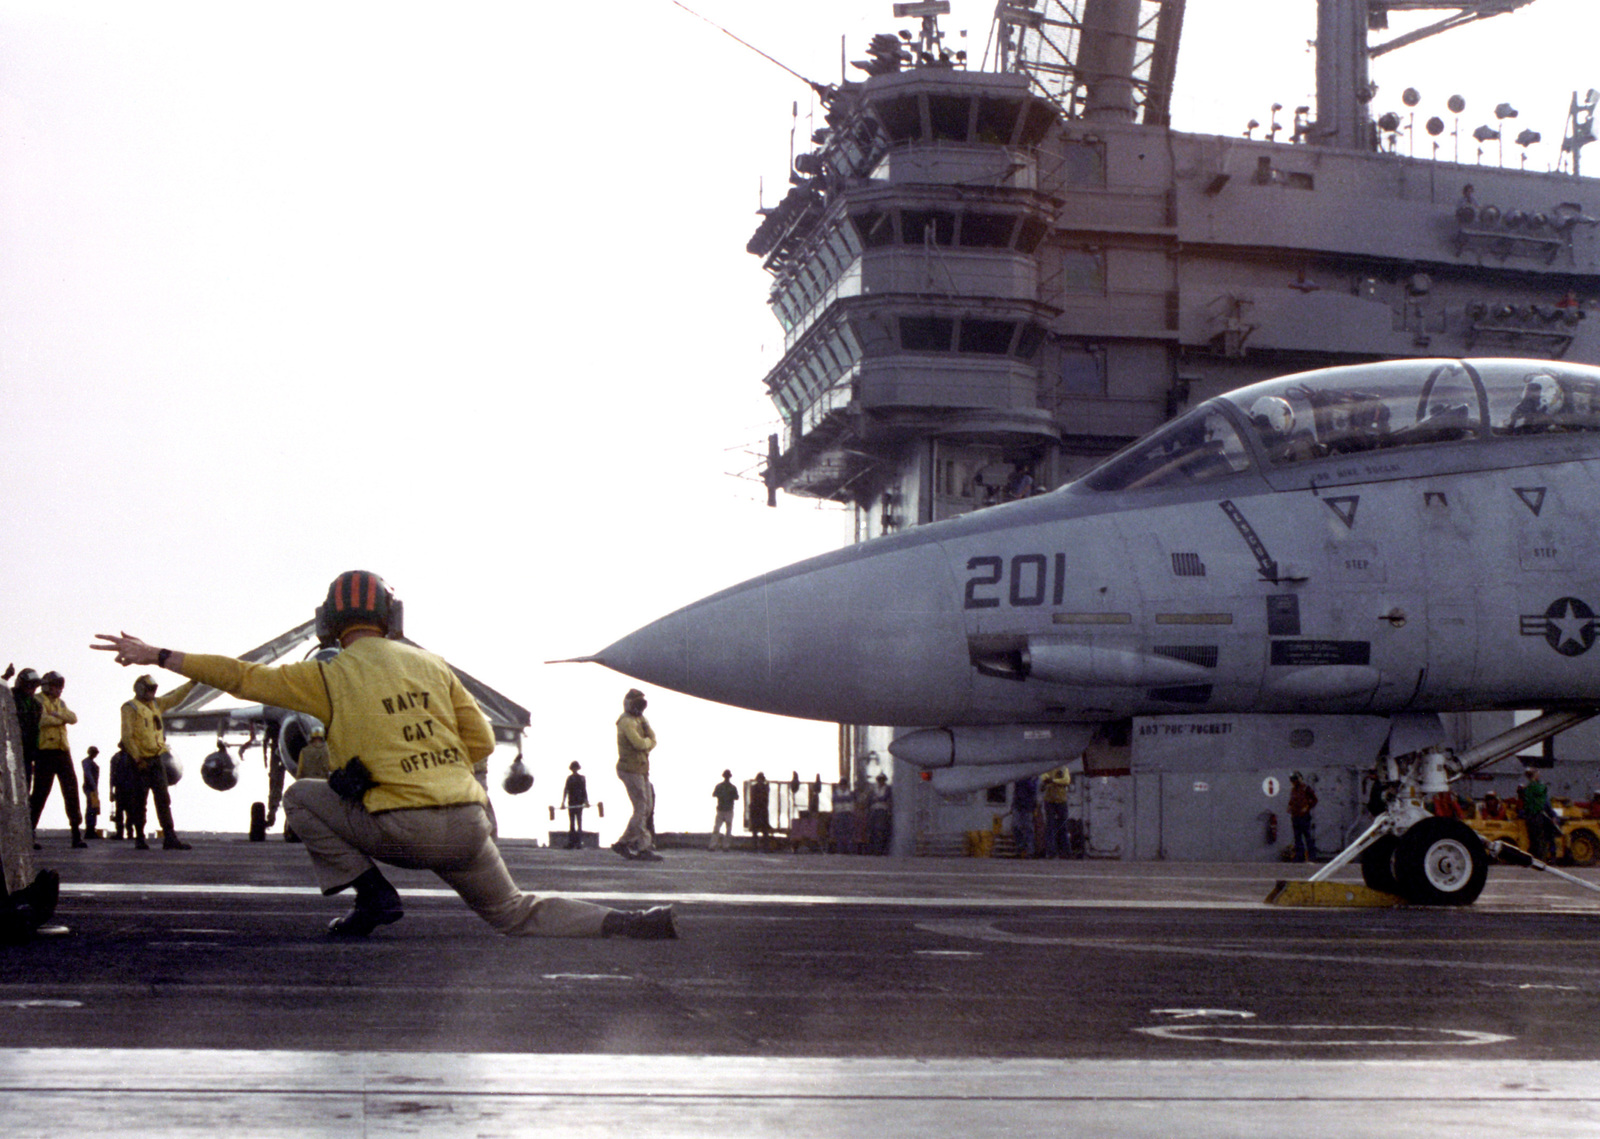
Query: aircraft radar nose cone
point(654, 654)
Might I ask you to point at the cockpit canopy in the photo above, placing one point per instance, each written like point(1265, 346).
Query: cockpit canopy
point(1364, 407)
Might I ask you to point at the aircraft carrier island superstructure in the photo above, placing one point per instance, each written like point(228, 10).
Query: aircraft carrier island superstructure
point(991, 280)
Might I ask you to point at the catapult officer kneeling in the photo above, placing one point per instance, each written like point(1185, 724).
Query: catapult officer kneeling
point(403, 736)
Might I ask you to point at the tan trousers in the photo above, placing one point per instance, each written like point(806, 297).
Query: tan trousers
point(344, 841)
point(637, 836)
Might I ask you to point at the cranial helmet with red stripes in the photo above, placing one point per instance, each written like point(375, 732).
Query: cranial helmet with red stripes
point(358, 598)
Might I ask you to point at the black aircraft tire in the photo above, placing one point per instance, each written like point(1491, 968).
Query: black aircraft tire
point(1377, 865)
point(1441, 862)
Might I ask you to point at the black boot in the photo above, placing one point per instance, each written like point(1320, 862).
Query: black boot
point(40, 895)
point(77, 840)
point(24, 912)
point(139, 843)
point(377, 903)
point(654, 924)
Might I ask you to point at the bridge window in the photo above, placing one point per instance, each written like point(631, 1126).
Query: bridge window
point(901, 119)
point(948, 115)
point(1040, 117)
point(1029, 236)
point(875, 227)
point(997, 119)
point(919, 226)
point(988, 337)
point(926, 333)
point(987, 231)
point(1082, 271)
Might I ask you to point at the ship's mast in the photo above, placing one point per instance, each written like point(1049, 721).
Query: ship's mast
point(1109, 60)
point(1344, 51)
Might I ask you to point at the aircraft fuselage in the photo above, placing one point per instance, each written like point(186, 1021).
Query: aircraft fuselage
point(1412, 536)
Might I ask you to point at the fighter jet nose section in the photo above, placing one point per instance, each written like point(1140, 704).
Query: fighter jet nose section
point(844, 637)
point(654, 654)
point(717, 648)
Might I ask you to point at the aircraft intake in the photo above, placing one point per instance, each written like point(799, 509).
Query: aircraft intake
point(293, 735)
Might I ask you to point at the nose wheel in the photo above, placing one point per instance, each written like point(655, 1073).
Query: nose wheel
point(1433, 862)
point(1441, 862)
point(1377, 864)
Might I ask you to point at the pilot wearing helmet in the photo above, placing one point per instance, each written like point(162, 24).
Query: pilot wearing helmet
point(403, 738)
point(1273, 419)
point(1541, 405)
point(313, 761)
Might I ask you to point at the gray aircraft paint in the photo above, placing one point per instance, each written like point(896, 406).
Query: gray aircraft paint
point(1448, 575)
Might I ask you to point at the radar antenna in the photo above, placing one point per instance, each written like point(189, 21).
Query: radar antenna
point(1580, 126)
point(1095, 59)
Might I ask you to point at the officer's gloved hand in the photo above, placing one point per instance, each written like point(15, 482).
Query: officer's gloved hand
point(352, 781)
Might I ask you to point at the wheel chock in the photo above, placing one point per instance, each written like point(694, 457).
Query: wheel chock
point(1300, 893)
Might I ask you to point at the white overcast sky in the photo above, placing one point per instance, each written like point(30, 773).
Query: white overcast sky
point(458, 293)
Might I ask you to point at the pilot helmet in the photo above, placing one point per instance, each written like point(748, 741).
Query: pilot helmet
point(218, 770)
point(518, 778)
point(1272, 413)
point(1544, 389)
point(145, 686)
point(27, 679)
point(52, 679)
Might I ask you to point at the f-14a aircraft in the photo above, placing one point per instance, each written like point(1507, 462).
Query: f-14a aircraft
point(1393, 540)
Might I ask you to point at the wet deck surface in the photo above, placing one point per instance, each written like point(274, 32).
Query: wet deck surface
point(819, 994)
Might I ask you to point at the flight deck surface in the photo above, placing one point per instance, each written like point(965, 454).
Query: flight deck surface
point(817, 994)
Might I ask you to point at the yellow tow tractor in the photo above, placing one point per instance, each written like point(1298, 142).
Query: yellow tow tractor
point(1578, 841)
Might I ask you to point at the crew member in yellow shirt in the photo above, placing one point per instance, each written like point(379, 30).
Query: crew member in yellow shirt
point(635, 740)
point(144, 742)
point(403, 739)
point(53, 760)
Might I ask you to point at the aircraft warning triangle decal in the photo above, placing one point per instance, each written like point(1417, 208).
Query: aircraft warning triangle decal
point(1532, 497)
point(1345, 507)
